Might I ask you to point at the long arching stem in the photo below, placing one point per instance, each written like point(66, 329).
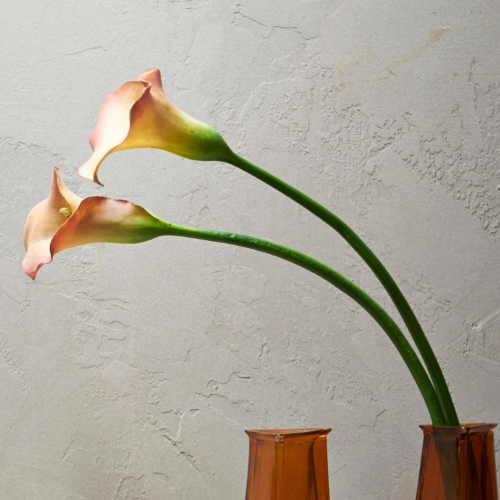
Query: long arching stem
point(376, 266)
point(362, 298)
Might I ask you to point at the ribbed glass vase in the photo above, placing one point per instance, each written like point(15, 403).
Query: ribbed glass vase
point(458, 463)
point(288, 464)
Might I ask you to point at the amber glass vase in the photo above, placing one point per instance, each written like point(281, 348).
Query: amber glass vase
point(288, 464)
point(458, 463)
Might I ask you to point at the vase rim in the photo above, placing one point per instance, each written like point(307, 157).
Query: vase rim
point(463, 428)
point(287, 433)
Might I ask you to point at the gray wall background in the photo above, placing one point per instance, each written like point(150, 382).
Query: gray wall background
point(131, 372)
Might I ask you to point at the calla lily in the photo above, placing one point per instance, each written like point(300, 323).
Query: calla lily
point(138, 114)
point(65, 221)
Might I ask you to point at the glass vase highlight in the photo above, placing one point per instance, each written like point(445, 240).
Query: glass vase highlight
point(288, 464)
point(458, 463)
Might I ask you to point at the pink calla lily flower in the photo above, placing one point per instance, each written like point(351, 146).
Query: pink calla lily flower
point(64, 220)
point(138, 114)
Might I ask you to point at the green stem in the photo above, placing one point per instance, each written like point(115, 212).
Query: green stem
point(362, 298)
point(376, 266)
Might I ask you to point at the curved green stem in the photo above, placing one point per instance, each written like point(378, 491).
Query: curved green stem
point(362, 298)
point(376, 266)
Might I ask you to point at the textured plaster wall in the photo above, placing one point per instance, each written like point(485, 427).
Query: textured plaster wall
point(131, 372)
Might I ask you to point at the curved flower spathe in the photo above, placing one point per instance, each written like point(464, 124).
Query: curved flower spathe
point(138, 114)
point(64, 220)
